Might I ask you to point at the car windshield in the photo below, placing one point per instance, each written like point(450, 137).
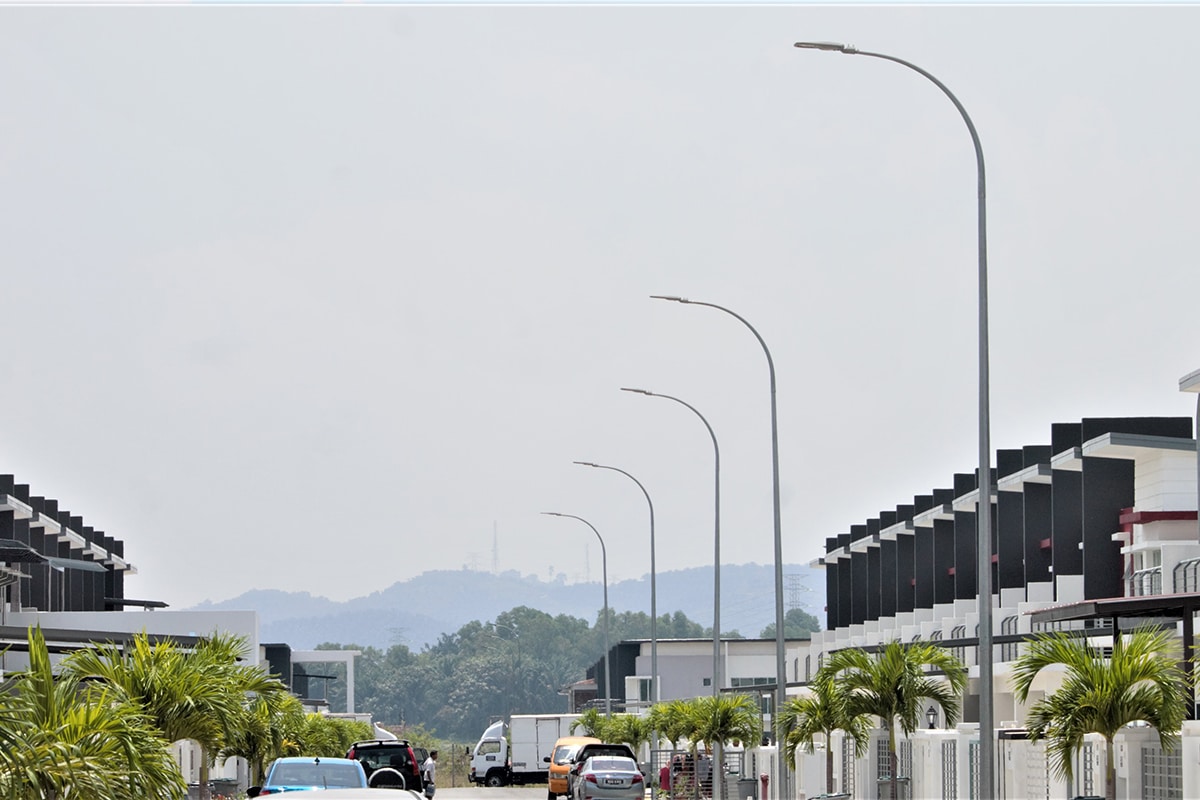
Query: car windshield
point(614, 764)
point(325, 775)
point(562, 755)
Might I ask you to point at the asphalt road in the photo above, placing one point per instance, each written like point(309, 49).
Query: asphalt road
point(489, 793)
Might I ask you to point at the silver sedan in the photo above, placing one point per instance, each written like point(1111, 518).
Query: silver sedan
point(610, 778)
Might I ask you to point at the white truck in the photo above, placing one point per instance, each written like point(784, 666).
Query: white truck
point(521, 755)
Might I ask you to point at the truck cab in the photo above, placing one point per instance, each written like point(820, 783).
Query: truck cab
point(489, 761)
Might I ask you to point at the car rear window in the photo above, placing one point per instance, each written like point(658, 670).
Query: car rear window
point(327, 775)
point(623, 764)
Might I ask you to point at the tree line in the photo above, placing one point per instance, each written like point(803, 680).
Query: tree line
point(519, 663)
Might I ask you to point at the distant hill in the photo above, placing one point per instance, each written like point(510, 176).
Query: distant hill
point(418, 611)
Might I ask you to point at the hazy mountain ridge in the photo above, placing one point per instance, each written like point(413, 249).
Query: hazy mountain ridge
point(418, 611)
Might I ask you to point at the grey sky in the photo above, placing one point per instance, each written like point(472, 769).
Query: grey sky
point(317, 298)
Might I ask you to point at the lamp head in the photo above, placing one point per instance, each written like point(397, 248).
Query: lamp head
point(637, 391)
point(552, 514)
point(670, 297)
point(835, 47)
point(585, 463)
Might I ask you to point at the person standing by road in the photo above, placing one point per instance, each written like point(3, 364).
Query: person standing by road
point(429, 773)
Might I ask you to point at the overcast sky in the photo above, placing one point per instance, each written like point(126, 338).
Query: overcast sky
point(319, 298)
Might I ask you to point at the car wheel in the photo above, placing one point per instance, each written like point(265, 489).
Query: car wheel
point(387, 778)
point(495, 780)
point(551, 796)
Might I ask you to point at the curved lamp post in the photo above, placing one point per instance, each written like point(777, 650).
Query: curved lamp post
point(781, 780)
point(604, 562)
point(653, 599)
point(716, 637)
point(983, 509)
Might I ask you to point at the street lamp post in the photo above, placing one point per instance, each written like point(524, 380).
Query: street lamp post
point(604, 562)
point(782, 778)
point(653, 597)
point(716, 636)
point(983, 509)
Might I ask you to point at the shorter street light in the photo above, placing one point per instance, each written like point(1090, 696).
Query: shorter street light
point(604, 562)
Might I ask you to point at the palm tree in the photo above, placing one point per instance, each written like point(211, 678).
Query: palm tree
point(672, 719)
point(1141, 682)
point(893, 685)
point(719, 720)
point(76, 738)
point(628, 729)
point(822, 712)
point(261, 735)
point(197, 695)
point(592, 723)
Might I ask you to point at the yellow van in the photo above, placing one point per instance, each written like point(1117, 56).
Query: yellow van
point(561, 760)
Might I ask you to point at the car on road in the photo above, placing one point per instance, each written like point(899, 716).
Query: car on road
point(560, 761)
point(609, 778)
point(590, 750)
point(299, 773)
point(390, 763)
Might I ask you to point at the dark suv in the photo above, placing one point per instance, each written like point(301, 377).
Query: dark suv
point(390, 763)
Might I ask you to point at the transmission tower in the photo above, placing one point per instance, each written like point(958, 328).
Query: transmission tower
point(794, 589)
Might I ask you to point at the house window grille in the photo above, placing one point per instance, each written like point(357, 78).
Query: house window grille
point(1162, 773)
point(848, 763)
point(904, 756)
point(808, 668)
point(1008, 650)
point(1037, 772)
point(1186, 576)
point(960, 652)
point(949, 771)
point(973, 770)
point(1088, 771)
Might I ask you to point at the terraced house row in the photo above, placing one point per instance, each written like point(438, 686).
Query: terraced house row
point(1094, 528)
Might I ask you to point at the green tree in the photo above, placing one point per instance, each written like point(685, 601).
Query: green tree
point(590, 723)
point(673, 720)
point(797, 624)
point(198, 695)
point(69, 737)
point(629, 729)
point(716, 721)
point(894, 686)
point(261, 735)
point(1141, 682)
point(825, 710)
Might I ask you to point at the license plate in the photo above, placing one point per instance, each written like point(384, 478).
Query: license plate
point(613, 781)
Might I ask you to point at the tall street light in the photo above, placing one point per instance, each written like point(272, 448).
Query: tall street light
point(1191, 383)
point(653, 597)
point(604, 562)
point(983, 509)
point(716, 635)
point(781, 779)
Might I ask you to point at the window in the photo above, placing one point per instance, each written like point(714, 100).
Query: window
point(738, 683)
